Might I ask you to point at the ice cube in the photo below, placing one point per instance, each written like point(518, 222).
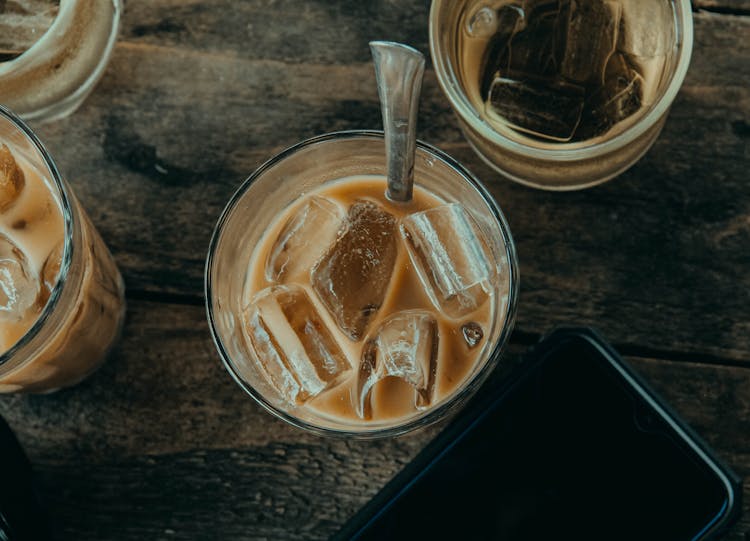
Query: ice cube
point(18, 285)
point(647, 28)
point(591, 39)
point(536, 51)
point(11, 178)
point(295, 349)
point(483, 23)
point(653, 70)
point(548, 111)
point(619, 98)
point(303, 239)
point(405, 346)
point(622, 90)
point(450, 256)
point(473, 333)
point(509, 21)
point(353, 276)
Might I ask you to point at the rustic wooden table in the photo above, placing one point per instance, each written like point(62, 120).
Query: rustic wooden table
point(161, 444)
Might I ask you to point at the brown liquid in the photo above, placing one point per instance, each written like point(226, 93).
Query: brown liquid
point(392, 398)
point(565, 70)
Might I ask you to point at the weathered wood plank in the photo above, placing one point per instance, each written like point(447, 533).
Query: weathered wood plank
point(161, 444)
point(318, 31)
point(280, 491)
point(739, 7)
point(654, 258)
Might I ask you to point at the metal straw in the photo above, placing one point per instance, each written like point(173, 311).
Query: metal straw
point(399, 70)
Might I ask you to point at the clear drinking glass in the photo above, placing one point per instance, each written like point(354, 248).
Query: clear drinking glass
point(552, 165)
point(83, 316)
point(282, 181)
point(52, 78)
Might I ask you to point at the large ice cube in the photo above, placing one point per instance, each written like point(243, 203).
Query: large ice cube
point(509, 21)
point(548, 111)
point(537, 49)
point(19, 287)
point(590, 39)
point(353, 276)
point(647, 28)
point(450, 256)
point(296, 352)
point(619, 97)
point(653, 70)
point(11, 178)
point(303, 239)
point(405, 346)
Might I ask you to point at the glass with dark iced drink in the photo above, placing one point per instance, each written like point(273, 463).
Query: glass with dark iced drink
point(561, 94)
point(61, 295)
point(347, 313)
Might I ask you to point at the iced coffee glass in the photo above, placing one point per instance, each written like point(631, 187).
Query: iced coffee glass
point(565, 94)
point(346, 314)
point(51, 78)
point(61, 295)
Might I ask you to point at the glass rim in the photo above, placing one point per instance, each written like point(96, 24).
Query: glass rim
point(565, 151)
point(67, 257)
point(430, 416)
point(51, 111)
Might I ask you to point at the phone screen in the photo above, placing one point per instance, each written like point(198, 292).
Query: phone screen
point(573, 452)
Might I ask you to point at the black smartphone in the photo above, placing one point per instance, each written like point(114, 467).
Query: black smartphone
point(21, 517)
point(576, 446)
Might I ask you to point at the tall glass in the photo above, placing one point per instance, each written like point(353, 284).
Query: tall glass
point(52, 78)
point(551, 165)
point(83, 316)
point(282, 181)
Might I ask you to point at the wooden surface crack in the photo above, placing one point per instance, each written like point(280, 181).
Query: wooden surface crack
point(723, 10)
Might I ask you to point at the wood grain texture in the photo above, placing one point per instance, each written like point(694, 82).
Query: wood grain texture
point(161, 444)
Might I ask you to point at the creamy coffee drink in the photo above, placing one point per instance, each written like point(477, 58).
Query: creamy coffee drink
point(31, 238)
point(368, 310)
point(86, 319)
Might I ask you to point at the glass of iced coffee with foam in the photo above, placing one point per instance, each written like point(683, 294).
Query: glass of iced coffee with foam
point(61, 295)
point(346, 313)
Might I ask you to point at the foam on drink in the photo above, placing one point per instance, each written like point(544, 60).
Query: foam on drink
point(409, 324)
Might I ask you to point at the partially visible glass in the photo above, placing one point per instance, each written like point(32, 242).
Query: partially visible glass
point(281, 182)
point(569, 163)
point(21, 516)
point(52, 78)
point(81, 306)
